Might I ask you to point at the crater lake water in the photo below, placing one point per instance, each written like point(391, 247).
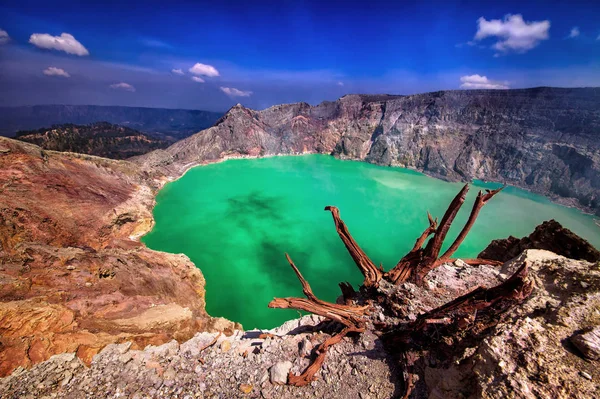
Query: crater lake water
point(236, 219)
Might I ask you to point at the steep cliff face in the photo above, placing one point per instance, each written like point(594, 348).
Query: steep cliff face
point(546, 140)
point(73, 277)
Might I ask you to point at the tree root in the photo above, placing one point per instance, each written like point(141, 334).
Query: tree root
point(471, 313)
point(308, 375)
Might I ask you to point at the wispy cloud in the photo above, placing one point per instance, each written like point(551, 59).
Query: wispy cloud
point(177, 71)
point(4, 38)
point(204, 70)
point(65, 42)
point(156, 43)
point(197, 79)
point(340, 83)
point(53, 71)
point(233, 92)
point(481, 82)
point(574, 32)
point(513, 33)
point(122, 86)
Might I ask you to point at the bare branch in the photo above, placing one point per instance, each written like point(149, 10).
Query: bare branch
point(349, 316)
point(428, 231)
point(305, 286)
point(435, 244)
point(371, 272)
point(481, 200)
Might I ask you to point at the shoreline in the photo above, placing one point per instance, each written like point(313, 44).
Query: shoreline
point(229, 157)
point(560, 201)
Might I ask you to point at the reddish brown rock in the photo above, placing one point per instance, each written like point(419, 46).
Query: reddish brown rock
point(73, 276)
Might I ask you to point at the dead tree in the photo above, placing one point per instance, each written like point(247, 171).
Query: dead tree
point(472, 312)
point(419, 261)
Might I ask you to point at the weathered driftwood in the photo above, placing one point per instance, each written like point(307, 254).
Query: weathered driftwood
point(473, 312)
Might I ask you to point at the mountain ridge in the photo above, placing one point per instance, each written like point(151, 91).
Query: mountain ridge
point(162, 122)
point(100, 138)
point(546, 140)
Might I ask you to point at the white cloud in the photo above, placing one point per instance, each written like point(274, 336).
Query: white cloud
point(197, 79)
point(123, 86)
point(65, 42)
point(481, 82)
point(177, 71)
point(574, 32)
point(204, 70)
point(233, 92)
point(4, 38)
point(53, 71)
point(513, 33)
point(340, 83)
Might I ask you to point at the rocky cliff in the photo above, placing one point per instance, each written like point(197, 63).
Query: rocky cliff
point(73, 276)
point(546, 140)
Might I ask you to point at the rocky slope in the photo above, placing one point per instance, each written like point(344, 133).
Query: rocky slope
point(528, 355)
point(550, 236)
point(546, 140)
point(177, 123)
point(73, 276)
point(101, 139)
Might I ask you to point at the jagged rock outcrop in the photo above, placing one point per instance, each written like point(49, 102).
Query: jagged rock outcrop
point(527, 355)
point(73, 276)
point(543, 139)
point(550, 236)
point(101, 139)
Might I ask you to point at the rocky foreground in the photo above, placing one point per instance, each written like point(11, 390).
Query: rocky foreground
point(544, 139)
point(537, 351)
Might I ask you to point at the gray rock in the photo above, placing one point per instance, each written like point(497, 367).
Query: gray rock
point(279, 372)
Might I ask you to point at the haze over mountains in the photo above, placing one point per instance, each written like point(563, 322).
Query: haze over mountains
point(162, 122)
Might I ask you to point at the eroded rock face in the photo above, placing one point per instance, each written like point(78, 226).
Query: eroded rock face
point(543, 139)
point(73, 277)
point(550, 236)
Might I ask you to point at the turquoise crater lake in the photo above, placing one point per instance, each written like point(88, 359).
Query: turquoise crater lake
point(236, 219)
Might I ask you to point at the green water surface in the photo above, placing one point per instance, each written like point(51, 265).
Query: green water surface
point(236, 219)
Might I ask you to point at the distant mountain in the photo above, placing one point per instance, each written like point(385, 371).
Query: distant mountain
point(161, 122)
point(102, 139)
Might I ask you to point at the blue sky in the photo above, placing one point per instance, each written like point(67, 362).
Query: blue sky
point(265, 53)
